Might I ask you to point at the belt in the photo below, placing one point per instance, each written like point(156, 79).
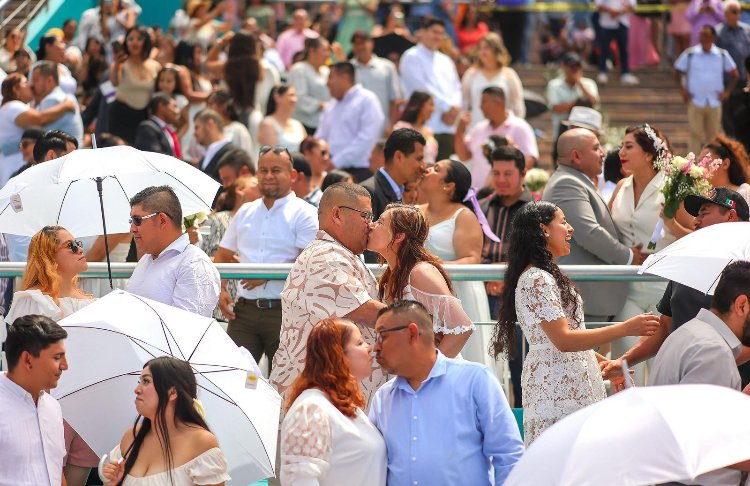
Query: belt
point(263, 303)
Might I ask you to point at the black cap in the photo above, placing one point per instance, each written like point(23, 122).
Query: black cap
point(571, 59)
point(721, 196)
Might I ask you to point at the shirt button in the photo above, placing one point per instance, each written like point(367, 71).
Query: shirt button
point(415, 417)
point(413, 459)
point(415, 483)
point(414, 438)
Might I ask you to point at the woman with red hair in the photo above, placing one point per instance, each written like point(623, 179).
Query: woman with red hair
point(326, 438)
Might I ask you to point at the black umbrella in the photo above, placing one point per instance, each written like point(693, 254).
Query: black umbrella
point(391, 44)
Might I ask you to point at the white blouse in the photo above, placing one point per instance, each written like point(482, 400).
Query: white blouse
point(322, 446)
point(207, 468)
point(26, 302)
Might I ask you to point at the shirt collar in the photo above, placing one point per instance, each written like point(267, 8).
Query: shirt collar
point(217, 145)
point(14, 388)
point(721, 327)
point(325, 236)
point(179, 245)
point(576, 173)
point(279, 202)
point(438, 369)
point(353, 91)
point(159, 121)
point(525, 197)
point(424, 51)
point(399, 190)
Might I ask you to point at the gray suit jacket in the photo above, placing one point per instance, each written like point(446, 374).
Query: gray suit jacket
point(595, 238)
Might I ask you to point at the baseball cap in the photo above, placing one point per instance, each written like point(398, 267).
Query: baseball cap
point(721, 196)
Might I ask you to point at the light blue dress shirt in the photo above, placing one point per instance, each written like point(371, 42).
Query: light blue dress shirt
point(705, 73)
point(455, 429)
point(351, 126)
point(70, 122)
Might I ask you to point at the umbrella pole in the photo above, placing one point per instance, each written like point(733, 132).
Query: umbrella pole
point(99, 181)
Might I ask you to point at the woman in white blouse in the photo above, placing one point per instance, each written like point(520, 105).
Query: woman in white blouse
point(50, 288)
point(326, 438)
point(278, 127)
point(310, 78)
point(414, 273)
point(172, 444)
point(492, 69)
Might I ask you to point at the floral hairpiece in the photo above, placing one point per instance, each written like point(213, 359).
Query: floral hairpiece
point(662, 152)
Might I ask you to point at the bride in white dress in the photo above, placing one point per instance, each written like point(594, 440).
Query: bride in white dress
point(560, 373)
point(414, 273)
point(456, 237)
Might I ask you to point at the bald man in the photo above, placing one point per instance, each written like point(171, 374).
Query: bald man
point(595, 240)
point(329, 280)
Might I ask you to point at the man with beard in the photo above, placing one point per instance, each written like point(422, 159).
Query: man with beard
point(704, 350)
point(435, 401)
point(272, 229)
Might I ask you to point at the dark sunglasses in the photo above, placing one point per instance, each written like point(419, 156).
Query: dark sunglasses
point(278, 149)
point(74, 246)
point(138, 220)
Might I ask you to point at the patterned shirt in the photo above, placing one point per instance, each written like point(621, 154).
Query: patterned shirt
point(327, 280)
point(499, 217)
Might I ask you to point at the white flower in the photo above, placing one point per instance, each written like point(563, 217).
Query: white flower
point(696, 172)
point(679, 162)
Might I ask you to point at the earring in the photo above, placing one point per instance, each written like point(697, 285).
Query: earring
point(546, 235)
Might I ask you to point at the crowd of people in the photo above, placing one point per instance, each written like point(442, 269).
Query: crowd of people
point(335, 148)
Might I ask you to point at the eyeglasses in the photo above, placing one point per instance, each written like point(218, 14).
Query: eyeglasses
point(278, 149)
point(74, 246)
point(138, 220)
point(379, 334)
point(366, 215)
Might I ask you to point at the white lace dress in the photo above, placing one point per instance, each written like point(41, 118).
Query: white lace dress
point(555, 383)
point(322, 446)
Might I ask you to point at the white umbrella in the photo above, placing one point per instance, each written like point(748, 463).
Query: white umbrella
point(641, 436)
point(110, 340)
point(698, 259)
point(74, 189)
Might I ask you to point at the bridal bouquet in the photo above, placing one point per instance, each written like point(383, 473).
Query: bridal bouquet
point(194, 220)
point(684, 176)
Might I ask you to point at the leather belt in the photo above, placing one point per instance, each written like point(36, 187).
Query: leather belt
point(264, 304)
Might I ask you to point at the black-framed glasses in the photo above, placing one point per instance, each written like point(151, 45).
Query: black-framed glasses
point(138, 220)
point(379, 334)
point(277, 149)
point(74, 246)
point(366, 215)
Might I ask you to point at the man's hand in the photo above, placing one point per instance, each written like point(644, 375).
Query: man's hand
point(612, 371)
point(685, 95)
point(495, 288)
point(250, 284)
point(463, 122)
point(449, 117)
point(724, 95)
point(226, 304)
point(638, 256)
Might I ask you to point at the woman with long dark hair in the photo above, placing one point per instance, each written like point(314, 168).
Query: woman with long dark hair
point(414, 273)
point(196, 87)
point(133, 74)
point(416, 114)
point(326, 437)
point(310, 77)
point(278, 127)
point(170, 443)
point(560, 372)
point(733, 172)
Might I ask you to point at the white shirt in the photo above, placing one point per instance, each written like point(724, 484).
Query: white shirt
point(211, 151)
point(607, 21)
point(434, 72)
point(31, 437)
point(351, 142)
point(275, 235)
point(181, 276)
point(705, 73)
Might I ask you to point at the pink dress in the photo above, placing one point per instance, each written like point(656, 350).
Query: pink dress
point(640, 47)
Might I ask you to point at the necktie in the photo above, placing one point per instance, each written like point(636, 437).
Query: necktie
point(175, 142)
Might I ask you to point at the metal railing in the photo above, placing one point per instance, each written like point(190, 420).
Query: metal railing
point(25, 11)
point(280, 271)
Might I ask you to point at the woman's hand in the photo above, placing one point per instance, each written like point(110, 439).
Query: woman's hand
point(641, 325)
point(114, 471)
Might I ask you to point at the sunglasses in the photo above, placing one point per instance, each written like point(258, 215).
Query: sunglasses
point(138, 220)
point(366, 215)
point(74, 246)
point(278, 149)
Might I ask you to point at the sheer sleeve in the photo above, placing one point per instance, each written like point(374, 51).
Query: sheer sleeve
point(448, 316)
point(27, 302)
point(538, 297)
point(209, 468)
point(306, 442)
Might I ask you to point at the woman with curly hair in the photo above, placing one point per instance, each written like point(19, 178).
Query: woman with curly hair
point(733, 171)
point(50, 288)
point(326, 437)
point(170, 442)
point(560, 373)
point(414, 273)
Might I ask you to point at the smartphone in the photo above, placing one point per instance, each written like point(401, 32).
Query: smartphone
point(116, 47)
